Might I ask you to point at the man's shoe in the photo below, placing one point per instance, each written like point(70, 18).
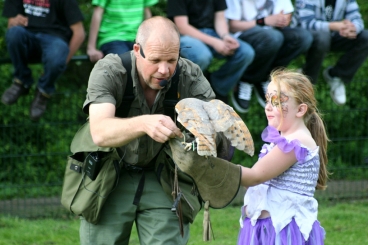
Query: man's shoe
point(261, 90)
point(241, 97)
point(337, 87)
point(38, 106)
point(12, 94)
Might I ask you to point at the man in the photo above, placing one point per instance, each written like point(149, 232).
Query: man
point(264, 24)
point(50, 32)
point(139, 196)
point(114, 26)
point(336, 26)
point(205, 36)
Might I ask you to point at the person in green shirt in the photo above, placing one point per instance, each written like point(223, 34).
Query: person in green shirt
point(142, 197)
point(114, 25)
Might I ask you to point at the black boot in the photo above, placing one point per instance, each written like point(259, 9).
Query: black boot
point(38, 106)
point(12, 94)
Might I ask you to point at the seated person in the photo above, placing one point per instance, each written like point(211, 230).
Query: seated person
point(42, 31)
point(114, 25)
point(205, 36)
point(336, 26)
point(265, 26)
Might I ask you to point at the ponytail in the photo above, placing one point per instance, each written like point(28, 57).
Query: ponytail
point(316, 127)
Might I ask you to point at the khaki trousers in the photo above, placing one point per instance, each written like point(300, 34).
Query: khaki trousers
point(156, 224)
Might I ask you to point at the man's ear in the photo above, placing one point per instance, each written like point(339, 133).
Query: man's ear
point(136, 50)
point(302, 109)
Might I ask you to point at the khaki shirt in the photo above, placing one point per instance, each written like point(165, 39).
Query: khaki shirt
point(107, 85)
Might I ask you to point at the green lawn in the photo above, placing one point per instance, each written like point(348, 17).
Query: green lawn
point(345, 223)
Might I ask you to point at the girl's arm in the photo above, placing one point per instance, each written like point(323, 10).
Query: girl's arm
point(270, 166)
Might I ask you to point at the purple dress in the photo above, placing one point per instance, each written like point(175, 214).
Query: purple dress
point(288, 198)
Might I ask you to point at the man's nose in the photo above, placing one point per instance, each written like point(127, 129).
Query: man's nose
point(163, 68)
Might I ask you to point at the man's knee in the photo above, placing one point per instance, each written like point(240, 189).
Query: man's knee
point(245, 53)
point(15, 35)
point(363, 38)
point(321, 41)
point(305, 39)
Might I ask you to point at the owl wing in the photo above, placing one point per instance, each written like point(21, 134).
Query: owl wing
point(193, 116)
point(225, 119)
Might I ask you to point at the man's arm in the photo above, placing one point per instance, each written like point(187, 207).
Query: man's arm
point(110, 131)
point(93, 53)
point(222, 29)
point(76, 40)
point(185, 28)
point(147, 13)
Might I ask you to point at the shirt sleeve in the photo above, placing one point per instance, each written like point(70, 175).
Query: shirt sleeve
point(100, 3)
point(72, 12)
point(176, 8)
point(220, 5)
point(149, 3)
point(233, 11)
point(12, 8)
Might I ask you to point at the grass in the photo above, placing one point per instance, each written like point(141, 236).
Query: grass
point(345, 223)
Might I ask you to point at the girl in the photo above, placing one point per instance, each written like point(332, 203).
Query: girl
point(279, 207)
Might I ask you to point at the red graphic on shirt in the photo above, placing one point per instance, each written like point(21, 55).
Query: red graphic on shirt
point(39, 3)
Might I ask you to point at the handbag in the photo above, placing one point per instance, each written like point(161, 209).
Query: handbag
point(82, 195)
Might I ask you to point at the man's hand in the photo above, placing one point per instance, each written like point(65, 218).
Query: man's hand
point(227, 46)
point(278, 20)
point(161, 128)
point(19, 20)
point(94, 54)
point(348, 29)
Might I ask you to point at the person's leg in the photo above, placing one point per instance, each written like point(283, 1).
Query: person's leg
point(22, 45)
point(355, 53)
point(195, 51)
point(116, 47)
point(296, 41)
point(228, 75)
point(117, 215)
point(54, 54)
point(316, 54)
point(156, 223)
point(266, 43)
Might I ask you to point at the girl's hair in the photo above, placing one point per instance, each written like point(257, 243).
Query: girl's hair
point(302, 91)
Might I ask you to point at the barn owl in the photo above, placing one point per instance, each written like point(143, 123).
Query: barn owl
point(204, 119)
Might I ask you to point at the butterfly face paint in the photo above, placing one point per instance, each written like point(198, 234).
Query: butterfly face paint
point(277, 101)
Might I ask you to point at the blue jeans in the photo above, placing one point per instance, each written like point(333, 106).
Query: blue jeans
point(26, 47)
point(228, 75)
point(116, 47)
point(273, 48)
point(355, 52)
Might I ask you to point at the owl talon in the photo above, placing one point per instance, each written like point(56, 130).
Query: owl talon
point(187, 146)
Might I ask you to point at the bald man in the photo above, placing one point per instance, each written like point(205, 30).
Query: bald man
point(143, 195)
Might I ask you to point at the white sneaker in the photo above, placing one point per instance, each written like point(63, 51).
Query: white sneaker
point(241, 97)
point(337, 87)
point(299, 70)
point(261, 90)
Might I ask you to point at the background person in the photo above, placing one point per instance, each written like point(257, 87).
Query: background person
point(336, 26)
point(114, 26)
point(205, 36)
point(48, 31)
point(264, 24)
